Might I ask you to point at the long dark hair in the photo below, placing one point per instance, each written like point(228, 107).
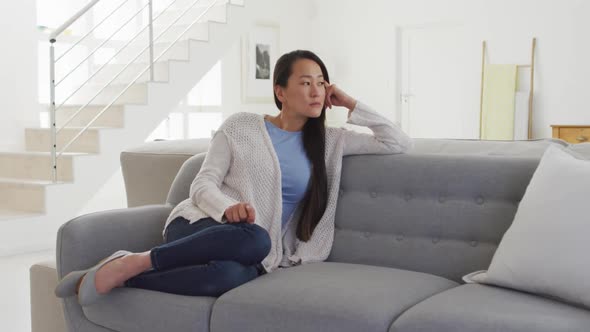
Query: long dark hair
point(314, 142)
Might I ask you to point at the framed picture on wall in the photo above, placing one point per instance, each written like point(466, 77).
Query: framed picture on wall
point(260, 51)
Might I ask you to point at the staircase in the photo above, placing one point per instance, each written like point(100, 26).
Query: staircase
point(31, 203)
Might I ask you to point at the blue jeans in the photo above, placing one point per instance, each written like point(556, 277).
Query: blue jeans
point(205, 258)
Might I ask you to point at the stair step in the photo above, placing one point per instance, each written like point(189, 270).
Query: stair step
point(64, 201)
point(36, 165)
point(128, 74)
point(29, 182)
point(39, 139)
point(217, 13)
point(8, 214)
point(25, 196)
point(136, 94)
point(179, 51)
point(183, 4)
point(199, 31)
point(113, 117)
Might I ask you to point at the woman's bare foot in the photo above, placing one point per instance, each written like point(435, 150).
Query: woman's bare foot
point(116, 272)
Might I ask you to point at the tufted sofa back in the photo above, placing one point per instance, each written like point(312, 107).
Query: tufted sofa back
point(439, 214)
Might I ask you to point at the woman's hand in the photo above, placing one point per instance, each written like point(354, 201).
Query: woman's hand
point(240, 212)
point(336, 97)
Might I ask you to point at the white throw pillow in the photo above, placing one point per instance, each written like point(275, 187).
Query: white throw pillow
point(546, 249)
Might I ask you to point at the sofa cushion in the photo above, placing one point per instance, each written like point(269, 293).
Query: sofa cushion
point(46, 311)
point(133, 309)
point(164, 158)
point(545, 249)
point(437, 214)
point(490, 309)
point(180, 187)
point(324, 297)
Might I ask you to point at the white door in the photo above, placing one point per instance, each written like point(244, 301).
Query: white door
point(440, 83)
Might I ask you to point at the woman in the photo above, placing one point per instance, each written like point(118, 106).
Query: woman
point(265, 196)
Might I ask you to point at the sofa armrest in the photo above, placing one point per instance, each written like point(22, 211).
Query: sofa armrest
point(149, 169)
point(46, 311)
point(85, 240)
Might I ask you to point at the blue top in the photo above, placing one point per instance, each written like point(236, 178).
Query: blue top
point(295, 166)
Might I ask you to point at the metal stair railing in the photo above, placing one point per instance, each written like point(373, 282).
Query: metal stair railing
point(53, 38)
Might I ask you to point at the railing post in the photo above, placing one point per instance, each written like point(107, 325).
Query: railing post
point(52, 111)
point(151, 18)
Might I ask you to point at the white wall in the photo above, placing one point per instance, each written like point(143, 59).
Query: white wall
point(294, 26)
point(294, 21)
point(359, 39)
point(111, 196)
point(18, 72)
point(299, 29)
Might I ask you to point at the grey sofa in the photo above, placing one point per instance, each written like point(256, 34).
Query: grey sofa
point(408, 227)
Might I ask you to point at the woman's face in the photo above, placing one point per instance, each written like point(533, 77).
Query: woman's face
point(305, 91)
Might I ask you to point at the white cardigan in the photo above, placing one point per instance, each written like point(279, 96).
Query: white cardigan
point(241, 166)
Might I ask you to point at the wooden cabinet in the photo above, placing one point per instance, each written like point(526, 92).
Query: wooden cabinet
point(572, 134)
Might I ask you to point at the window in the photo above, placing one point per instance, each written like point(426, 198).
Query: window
point(201, 124)
point(198, 114)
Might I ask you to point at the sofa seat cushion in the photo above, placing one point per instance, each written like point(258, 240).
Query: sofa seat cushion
point(484, 308)
point(134, 309)
point(324, 297)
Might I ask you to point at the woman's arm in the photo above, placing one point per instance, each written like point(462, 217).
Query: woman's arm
point(204, 191)
point(387, 137)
